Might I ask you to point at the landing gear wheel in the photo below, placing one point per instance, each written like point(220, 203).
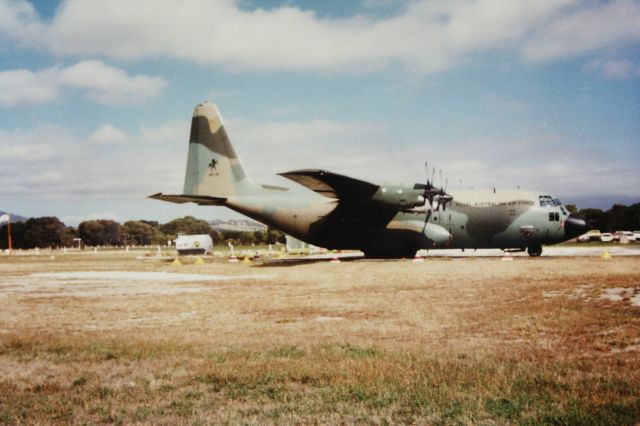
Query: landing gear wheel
point(534, 250)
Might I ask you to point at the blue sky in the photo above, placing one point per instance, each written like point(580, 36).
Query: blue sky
point(96, 98)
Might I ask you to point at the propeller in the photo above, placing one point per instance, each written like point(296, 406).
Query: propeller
point(428, 195)
point(430, 192)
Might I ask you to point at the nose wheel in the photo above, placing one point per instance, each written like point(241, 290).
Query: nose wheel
point(534, 250)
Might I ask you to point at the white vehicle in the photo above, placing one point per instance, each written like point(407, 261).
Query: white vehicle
point(636, 235)
point(592, 235)
point(194, 244)
point(627, 237)
point(606, 237)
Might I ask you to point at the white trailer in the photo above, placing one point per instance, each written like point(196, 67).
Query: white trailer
point(194, 244)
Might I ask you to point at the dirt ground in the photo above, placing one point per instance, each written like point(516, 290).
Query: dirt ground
point(116, 338)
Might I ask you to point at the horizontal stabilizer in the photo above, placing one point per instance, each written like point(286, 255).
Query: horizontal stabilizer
point(202, 200)
point(333, 185)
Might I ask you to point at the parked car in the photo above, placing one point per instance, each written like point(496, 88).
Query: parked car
point(606, 237)
point(592, 235)
point(636, 234)
point(627, 237)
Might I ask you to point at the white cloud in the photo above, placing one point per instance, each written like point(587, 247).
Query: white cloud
point(50, 163)
point(371, 151)
point(94, 79)
point(108, 134)
point(601, 26)
point(26, 148)
point(19, 20)
point(109, 85)
point(26, 87)
point(423, 36)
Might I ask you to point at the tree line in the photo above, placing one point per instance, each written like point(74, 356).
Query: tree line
point(49, 231)
point(618, 218)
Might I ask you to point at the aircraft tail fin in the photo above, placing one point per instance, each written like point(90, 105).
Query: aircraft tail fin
point(213, 167)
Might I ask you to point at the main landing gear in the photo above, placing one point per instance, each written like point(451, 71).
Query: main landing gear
point(534, 250)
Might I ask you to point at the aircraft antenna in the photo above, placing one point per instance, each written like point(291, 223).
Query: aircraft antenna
point(444, 193)
point(426, 167)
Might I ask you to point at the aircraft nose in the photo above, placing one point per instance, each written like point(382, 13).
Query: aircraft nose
point(574, 226)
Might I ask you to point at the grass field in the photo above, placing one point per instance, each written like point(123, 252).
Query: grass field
point(106, 339)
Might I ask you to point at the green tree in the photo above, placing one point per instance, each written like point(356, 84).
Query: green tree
point(188, 225)
point(44, 232)
point(633, 216)
point(247, 238)
point(113, 233)
point(274, 236)
point(91, 232)
point(101, 232)
point(596, 219)
point(138, 232)
point(159, 238)
point(622, 218)
point(17, 235)
point(153, 223)
point(217, 236)
point(69, 234)
point(259, 237)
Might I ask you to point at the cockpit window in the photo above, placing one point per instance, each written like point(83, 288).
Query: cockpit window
point(549, 201)
point(545, 200)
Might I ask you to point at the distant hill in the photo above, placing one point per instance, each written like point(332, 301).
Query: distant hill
point(243, 225)
point(14, 217)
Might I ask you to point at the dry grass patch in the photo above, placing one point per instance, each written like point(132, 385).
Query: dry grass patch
point(445, 341)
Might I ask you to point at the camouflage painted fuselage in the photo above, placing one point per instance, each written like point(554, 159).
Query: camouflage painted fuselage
point(514, 219)
point(339, 212)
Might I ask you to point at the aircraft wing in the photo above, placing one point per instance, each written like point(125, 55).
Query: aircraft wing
point(333, 185)
point(354, 191)
point(202, 200)
point(360, 204)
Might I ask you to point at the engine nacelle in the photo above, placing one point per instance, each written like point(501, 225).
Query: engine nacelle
point(400, 196)
point(431, 235)
point(437, 234)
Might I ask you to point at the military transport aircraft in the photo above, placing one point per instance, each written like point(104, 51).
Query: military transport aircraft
point(382, 220)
